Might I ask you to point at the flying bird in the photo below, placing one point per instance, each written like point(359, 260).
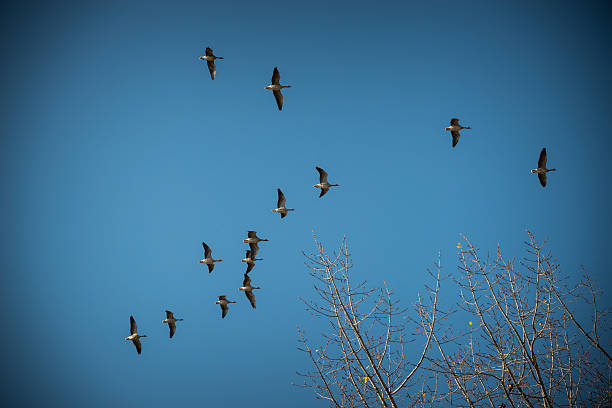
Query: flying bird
point(253, 241)
point(223, 302)
point(248, 289)
point(323, 184)
point(282, 210)
point(210, 61)
point(250, 260)
point(542, 170)
point(208, 260)
point(454, 128)
point(171, 320)
point(134, 336)
point(276, 88)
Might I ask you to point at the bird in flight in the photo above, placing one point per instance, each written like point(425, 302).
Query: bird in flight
point(253, 241)
point(171, 320)
point(276, 87)
point(210, 61)
point(134, 336)
point(223, 302)
point(542, 170)
point(454, 128)
point(248, 289)
point(208, 260)
point(323, 184)
point(250, 260)
point(281, 209)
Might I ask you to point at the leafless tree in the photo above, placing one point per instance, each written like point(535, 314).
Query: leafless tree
point(363, 361)
point(527, 347)
point(538, 339)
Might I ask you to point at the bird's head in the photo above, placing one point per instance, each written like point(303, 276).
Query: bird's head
point(268, 87)
point(201, 261)
point(533, 171)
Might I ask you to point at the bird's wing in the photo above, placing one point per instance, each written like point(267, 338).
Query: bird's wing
point(252, 234)
point(210, 267)
point(212, 68)
point(250, 267)
point(323, 191)
point(138, 345)
point(221, 297)
point(207, 250)
point(249, 294)
point(542, 177)
point(224, 310)
point(281, 199)
point(172, 326)
point(279, 99)
point(454, 122)
point(254, 249)
point(456, 137)
point(169, 315)
point(283, 215)
point(133, 327)
point(209, 52)
point(248, 254)
point(275, 77)
point(542, 159)
point(246, 280)
point(322, 175)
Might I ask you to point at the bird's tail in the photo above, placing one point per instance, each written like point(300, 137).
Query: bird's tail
point(467, 127)
point(552, 169)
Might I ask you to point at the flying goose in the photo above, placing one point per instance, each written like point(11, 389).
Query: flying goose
point(223, 302)
point(276, 88)
point(253, 239)
point(250, 260)
point(282, 210)
point(210, 61)
point(134, 336)
point(171, 322)
point(323, 184)
point(542, 170)
point(208, 260)
point(248, 289)
point(454, 128)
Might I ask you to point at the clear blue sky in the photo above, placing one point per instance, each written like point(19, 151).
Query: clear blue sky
point(119, 156)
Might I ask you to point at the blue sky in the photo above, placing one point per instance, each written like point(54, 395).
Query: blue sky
point(119, 156)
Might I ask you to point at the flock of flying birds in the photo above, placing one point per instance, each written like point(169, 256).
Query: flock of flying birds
point(250, 258)
point(252, 238)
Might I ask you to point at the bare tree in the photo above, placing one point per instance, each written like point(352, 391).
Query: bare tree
point(363, 360)
point(527, 346)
